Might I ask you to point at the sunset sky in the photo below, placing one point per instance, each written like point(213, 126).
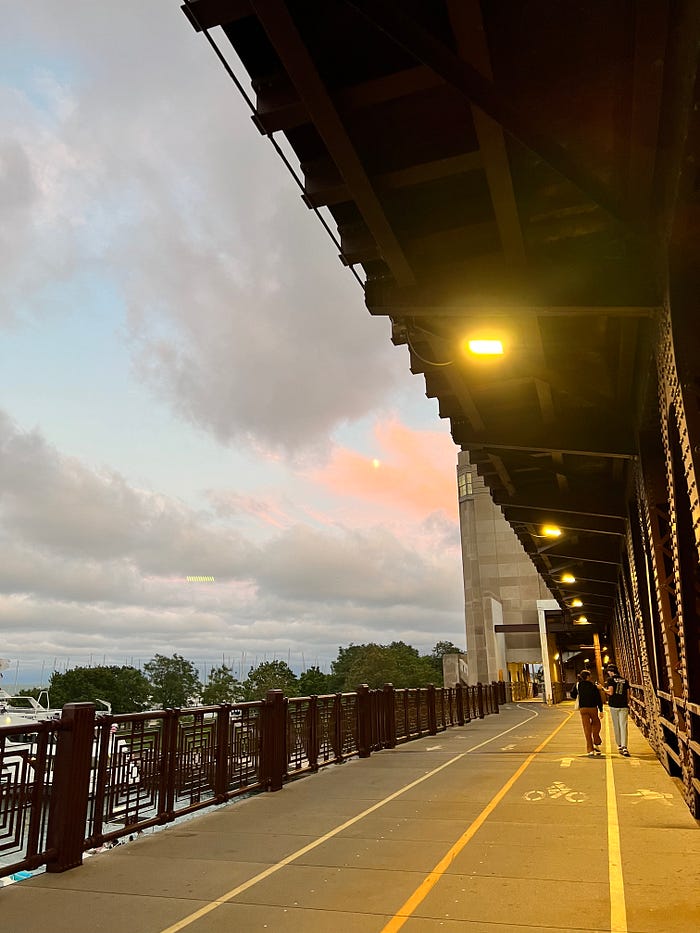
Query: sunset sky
point(190, 383)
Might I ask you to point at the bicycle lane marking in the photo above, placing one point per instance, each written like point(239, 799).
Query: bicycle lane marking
point(239, 889)
point(409, 906)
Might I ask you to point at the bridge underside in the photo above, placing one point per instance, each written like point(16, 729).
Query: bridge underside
point(527, 171)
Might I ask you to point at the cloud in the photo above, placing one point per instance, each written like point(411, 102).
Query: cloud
point(142, 164)
point(131, 177)
point(91, 563)
point(412, 472)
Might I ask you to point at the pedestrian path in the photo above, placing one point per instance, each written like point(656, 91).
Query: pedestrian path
point(501, 825)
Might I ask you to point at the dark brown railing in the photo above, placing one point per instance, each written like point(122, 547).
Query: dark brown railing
point(85, 780)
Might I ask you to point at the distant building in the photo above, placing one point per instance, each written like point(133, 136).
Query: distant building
point(501, 587)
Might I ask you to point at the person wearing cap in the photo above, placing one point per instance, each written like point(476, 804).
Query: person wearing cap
point(590, 705)
point(617, 688)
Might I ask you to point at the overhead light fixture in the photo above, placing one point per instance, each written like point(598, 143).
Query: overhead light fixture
point(556, 656)
point(551, 531)
point(568, 578)
point(586, 660)
point(576, 603)
point(606, 658)
point(582, 620)
point(483, 347)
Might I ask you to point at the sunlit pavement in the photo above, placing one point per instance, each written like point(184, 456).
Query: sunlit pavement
point(473, 824)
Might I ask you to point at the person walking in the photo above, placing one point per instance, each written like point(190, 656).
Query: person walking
point(590, 705)
point(617, 687)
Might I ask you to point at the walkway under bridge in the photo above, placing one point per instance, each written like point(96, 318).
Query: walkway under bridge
point(527, 174)
point(501, 824)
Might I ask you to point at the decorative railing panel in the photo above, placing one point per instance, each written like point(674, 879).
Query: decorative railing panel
point(27, 754)
point(301, 714)
point(122, 774)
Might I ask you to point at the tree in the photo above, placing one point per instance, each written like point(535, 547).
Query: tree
point(313, 681)
point(375, 665)
point(174, 681)
point(438, 653)
point(445, 647)
point(124, 688)
point(270, 675)
point(29, 692)
point(222, 687)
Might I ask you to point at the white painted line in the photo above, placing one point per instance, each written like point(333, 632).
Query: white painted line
point(618, 909)
point(566, 762)
point(272, 869)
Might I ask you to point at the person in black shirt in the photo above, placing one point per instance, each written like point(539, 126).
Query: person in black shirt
point(590, 705)
point(617, 688)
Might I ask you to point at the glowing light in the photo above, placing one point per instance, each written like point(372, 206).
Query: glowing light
point(486, 347)
point(576, 603)
point(551, 531)
point(556, 657)
point(605, 659)
point(582, 620)
point(586, 660)
point(376, 464)
point(568, 578)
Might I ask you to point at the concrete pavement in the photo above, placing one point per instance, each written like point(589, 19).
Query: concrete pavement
point(480, 828)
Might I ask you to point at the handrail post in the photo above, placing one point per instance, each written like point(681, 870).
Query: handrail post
point(364, 722)
point(480, 700)
point(274, 739)
point(460, 704)
point(172, 734)
point(338, 727)
point(432, 711)
point(68, 806)
point(312, 732)
point(389, 715)
point(223, 719)
point(496, 690)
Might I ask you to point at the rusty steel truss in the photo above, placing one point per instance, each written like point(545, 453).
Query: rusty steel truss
point(527, 170)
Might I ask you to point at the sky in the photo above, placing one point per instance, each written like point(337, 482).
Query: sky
point(190, 383)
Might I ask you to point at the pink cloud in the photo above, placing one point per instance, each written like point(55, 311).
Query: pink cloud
point(411, 473)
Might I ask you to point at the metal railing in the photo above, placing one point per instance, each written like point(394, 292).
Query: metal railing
point(85, 780)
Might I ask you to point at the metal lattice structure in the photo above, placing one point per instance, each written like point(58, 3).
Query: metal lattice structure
point(527, 169)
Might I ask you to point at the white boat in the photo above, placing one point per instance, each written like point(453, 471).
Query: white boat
point(15, 710)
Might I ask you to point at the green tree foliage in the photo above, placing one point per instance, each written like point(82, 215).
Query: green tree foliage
point(125, 688)
point(313, 681)
point(174, 681)
point(445, 647)
point(222, 687)
point(436, 655)
point(29, 692)
point(270, 675)
point(398, 663)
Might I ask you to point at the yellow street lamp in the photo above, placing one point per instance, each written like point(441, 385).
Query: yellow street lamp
point(551, 531)
point(485, 347)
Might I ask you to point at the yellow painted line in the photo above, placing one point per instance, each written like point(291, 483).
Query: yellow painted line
point(618, 910)
point(234, 892)
point(407, 909)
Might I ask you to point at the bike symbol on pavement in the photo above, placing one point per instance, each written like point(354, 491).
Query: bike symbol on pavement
point(645, 794)
point(555, 790)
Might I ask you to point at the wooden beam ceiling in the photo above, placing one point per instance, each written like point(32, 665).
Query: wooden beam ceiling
point(281, 29)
